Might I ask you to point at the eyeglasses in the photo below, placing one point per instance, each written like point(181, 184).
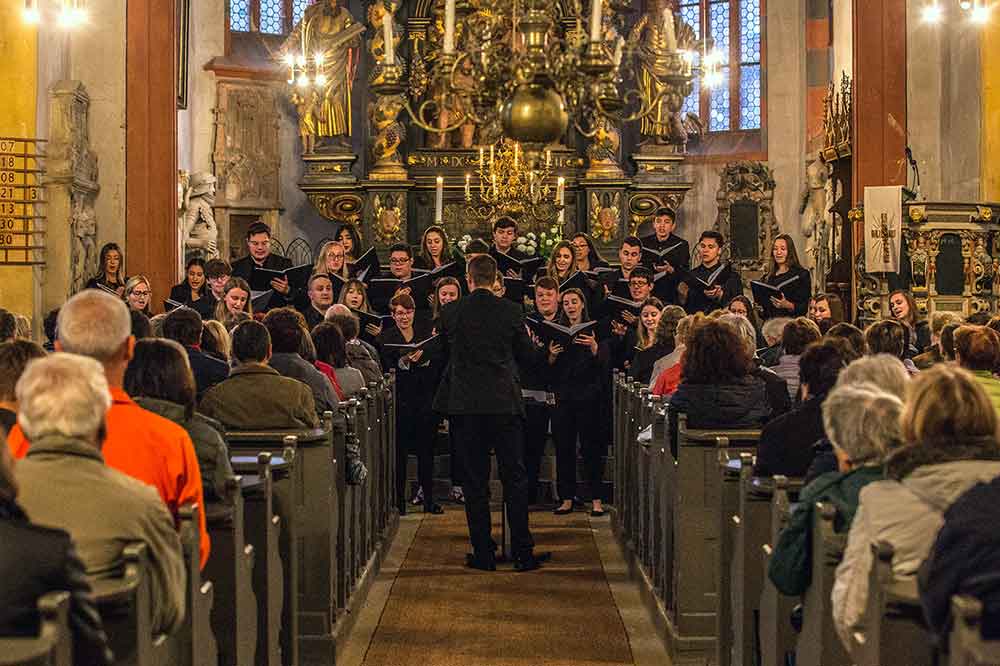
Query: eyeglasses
point(335, 256)
point(398, 260)
point(141, 294)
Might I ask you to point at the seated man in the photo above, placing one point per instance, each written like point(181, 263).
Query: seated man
point(256, 396)
point(320, 293)
point(184, 325)
point(141, 444)
point(287, 329)
point(939, 320)
point(62, 402)
point(863, 425)
point(14, 358)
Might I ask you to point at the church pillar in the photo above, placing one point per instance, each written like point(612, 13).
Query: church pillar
point(989, 164)
point(151, 144)
point(879, 94)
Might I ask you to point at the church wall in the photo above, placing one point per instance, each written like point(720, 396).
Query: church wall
point(195, 124)
point(990, 110)
point(299, 217)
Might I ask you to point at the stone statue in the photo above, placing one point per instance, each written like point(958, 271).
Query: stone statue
point(330, 30)
point(658, 36)
point(201, 235)
point(816, 224)
point(84, 256)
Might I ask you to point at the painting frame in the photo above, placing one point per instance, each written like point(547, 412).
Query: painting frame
point(183, 46)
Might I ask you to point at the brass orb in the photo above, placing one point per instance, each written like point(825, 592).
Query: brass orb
point(534, 114)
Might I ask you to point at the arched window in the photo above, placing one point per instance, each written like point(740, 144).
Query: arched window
point(270, 17)
point(735, 31)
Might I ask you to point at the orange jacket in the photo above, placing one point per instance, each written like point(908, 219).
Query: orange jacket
point(149, 448)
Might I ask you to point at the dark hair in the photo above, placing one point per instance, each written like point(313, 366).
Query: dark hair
point(355, 239)
point(547, 282)
point(14, 358)
point(664, 210)
point(641, 272)
point(102, 261)
point(159, 369)
point(633, 241)
point(854, 335)
point(477, 246)
point(194, 261)
point(821, 363)
point(504, 222)
point(482, 271)
point(401, 247)
point(357, 285)
point(348, 324)
point(836, 306)
point(978, 319)
point(714, 235)
point(50, 325)
point(948, 341)
point(251, 340)
point(793, 256)
point(8, 325)
point(445, 245)
point(977, 347)
point(584, 315)
point(798, 334)
point(404, 301)
point(141, 328)
point(317, 276)
point(716, 354)
point(216, 268)
point(258, 228)
point(593, 255)
point(887, 337)
point(751, 311)
point(286, 328)
point(444, 282)
point(329, 342)
point(183, 325)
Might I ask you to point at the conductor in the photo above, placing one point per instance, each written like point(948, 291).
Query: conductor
point(482, 336)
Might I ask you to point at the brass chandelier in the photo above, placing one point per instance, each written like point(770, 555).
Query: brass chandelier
point(508, 184)
point(518, 76)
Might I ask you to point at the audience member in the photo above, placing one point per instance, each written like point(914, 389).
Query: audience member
point(826, 308)
point(854, 335)
point(139, 443)
point(331, 349)
point(977, 349)
point(23, 328)
point(66, 484)
point(160, 380)
point(798, 334)
point(947, 345)
point(949, 434)
point(772, 330)
point(49, 328)
point(360, 355)
point(140, 325)
point(287, 328)
point(933, 354)
point(184, 325)
point(666, 375)
point(786, 443)
point(777, 388)
point(889, 336)
point(662, 344)
point(8, 326)
point(215, 341)
point(14, 358)
point(256, 396)
point(36, 560)
point(155, 325)
point(862, 423)
point(903, 309)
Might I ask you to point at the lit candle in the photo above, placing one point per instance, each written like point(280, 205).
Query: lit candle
point(481, 163)
point(669, 34)
point(493, 178)
point(449, 27)
point(595, 20)
point(491, 157)
point(548, 159)
point(439, 203)
point(561, 191)
point(468, 186)
point(390, 51)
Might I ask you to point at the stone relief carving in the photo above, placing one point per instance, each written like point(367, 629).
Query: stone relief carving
point(246, 158)
point(605, 211)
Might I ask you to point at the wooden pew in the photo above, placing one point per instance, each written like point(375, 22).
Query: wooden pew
point(966, 645)
point(269, 489)
point(53, 646)
point(230, 568)
point(897, 634)
point(194, 644)
point(729, 523)
point(126, 610)
point(818, 644)
point(776, 636)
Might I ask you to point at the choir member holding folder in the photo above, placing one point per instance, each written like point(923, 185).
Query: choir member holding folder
point(576, 380)
point(436, 252)
point(409, 348)
point(535, 385)
point(355, 296)
point(261, 257)
point(664, 252)
point(712, 283)
point(785, 290)
point(401, 279)
point(616, 281)
point(193, 292)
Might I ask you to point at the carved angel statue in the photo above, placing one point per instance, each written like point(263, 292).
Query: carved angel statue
point(305, 104)
point(201, 235)
point(84, 226)
point(387, 132)
point(604, 146)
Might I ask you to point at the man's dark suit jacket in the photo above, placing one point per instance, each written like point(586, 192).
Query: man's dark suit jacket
point(666, 288)
point(208, 370)
point(243, 268)
point(483, 340)
point(786, 443)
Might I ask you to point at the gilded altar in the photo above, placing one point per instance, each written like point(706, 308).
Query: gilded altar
point(950, 261)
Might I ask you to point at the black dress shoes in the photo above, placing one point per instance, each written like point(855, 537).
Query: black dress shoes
point(436, 509)
point(531, 562)
point(483, 562)
point(560, 511)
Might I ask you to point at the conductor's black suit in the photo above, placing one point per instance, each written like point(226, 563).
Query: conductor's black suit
point(484, 339)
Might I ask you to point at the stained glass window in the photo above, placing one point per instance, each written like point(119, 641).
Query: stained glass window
point(298, 9)
point(733, 30)
point(239, 15)
point(272, 16)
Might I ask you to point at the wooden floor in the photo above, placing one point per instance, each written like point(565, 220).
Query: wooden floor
point(438, 613)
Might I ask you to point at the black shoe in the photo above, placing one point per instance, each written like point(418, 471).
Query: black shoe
point(482, 562)
point(435, 509)
point(594, 513)
point(559, 511)
point(531, 562)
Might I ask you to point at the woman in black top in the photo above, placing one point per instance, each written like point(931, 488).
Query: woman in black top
point(903, 309)
point(586, 254)
point(350, 240)
point(435, 250)
point(794, 298)
point(112, 275)
point(194, 291)
point(576, 372)
point(416, 422)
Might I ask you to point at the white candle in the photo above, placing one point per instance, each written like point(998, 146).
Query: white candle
point(493, 178)
point(561, 190)
point(618, 54)
point(439, 203)
point(548, 159)
point(491, 157)
point(515, 157)
point(595, 20)
point(560, 185)
point(468, 186)
point(449, 27)
point(390, 51)
point(481, 163)
point(669, 34)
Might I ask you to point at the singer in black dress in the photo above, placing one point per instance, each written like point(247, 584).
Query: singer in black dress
point(784, 266)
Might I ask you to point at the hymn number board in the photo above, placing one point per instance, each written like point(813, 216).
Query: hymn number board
point(21, 201)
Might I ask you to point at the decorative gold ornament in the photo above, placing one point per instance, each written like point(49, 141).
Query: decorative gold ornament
point(605, 212)
point(388, 218)
point(338, 207)
point(509, 183)
point(918, 214)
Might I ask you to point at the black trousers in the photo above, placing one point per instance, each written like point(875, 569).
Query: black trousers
point(572, 419)
point(476, 435)
point(415, 432)
point(456, 464)
point(536, 431)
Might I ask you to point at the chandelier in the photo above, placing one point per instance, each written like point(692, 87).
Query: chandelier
point(509, 185)
point(72, 13)
point(978, 11)
point(517, 76)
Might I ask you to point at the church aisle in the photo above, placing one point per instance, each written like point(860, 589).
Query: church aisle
point(439, 613)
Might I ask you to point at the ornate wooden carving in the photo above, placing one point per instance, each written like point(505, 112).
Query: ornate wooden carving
point(747, 183)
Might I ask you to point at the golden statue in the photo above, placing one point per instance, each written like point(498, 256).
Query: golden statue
point(329, 31)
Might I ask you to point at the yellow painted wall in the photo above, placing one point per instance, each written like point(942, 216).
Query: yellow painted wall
point(990, 158)
point(19, 83)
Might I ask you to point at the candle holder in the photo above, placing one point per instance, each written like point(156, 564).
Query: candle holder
point(387, 80)
point(595, 60)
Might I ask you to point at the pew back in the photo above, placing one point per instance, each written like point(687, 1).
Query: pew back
point(818, 644)
point(52, 646)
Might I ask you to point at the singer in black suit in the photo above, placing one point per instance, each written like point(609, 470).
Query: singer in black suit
point(259, 246)
point(484, 339)
point(664, 223)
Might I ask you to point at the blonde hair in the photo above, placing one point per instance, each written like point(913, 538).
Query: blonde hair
point(945, 404)
point(550, 267)
point(221, 335)
point(222, 312)
point(134, 282)
point(320, 265)
point(645, 340)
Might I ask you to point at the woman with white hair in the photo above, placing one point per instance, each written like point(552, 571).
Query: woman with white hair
point(862, 423)
point(62, 405)
point(777, 388)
